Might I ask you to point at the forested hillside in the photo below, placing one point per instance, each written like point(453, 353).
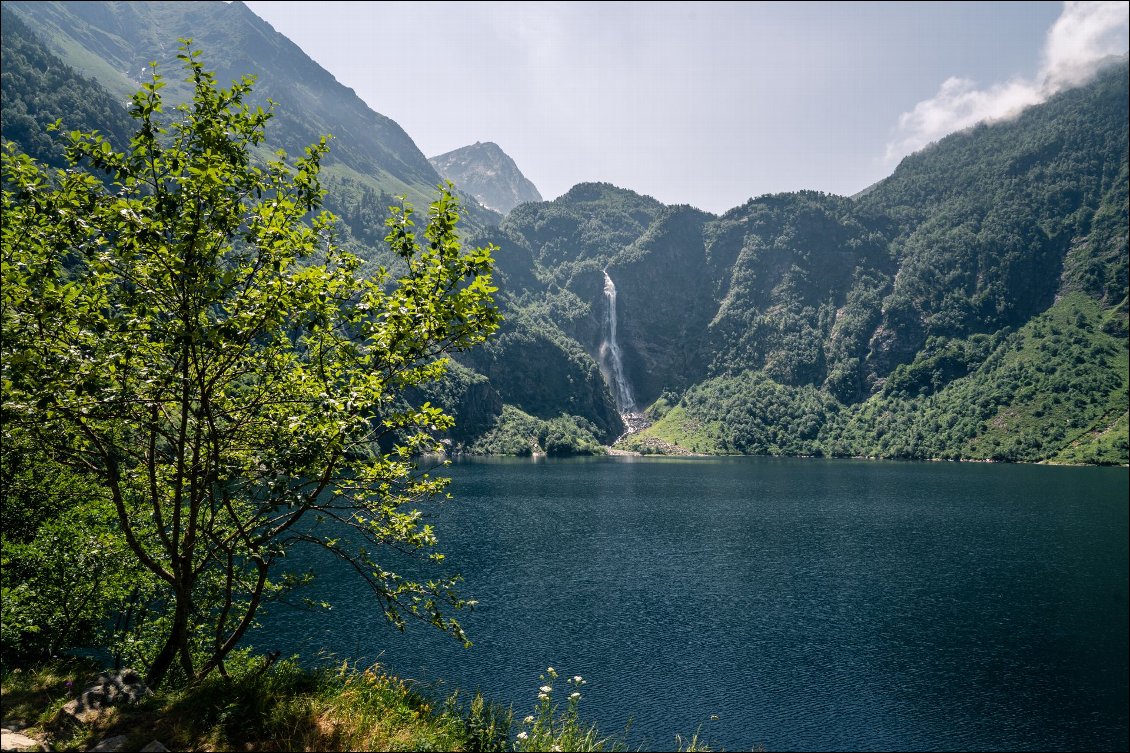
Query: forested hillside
point(372, 160)
point(971, 305)
point(38, 88)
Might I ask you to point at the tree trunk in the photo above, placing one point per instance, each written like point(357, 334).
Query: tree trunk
point(175, 644)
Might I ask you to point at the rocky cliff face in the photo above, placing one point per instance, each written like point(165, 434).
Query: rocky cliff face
point(487, 173)
point(663, 316)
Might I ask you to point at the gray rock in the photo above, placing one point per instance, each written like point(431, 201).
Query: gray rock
point(155, 747)
point(110, 690)
point(14, 741)
point(112, 744)
point(487, 173)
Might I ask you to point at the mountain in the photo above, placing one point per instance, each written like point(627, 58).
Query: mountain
point(487, 173)
point(37, 88)
point(372, 160)
point(971, 305)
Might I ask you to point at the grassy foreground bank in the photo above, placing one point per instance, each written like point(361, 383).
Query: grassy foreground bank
point(282, 707)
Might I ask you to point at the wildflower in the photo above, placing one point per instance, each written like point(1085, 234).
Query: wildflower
point(522, 735)
point(528, 720)
point(543, 697)
point(551, 672)
point(578, 680)
point(575, 697)
point(546, 688)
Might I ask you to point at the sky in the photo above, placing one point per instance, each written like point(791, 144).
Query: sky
point(707, 104)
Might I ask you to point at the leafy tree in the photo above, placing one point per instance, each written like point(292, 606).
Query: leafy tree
point(64, 577)
point(188, 332)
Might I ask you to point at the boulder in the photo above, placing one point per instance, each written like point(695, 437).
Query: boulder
point(112, 744)
point(111, 689)
point(14, 741)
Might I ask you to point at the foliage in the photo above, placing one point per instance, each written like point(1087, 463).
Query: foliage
point(282, 706)
point(537, 368)
point(33, 694)
point(486, 724)
point(223, 369)
point(1055, 390)
point(803, 291)
point(260, 707)
point(583, 229)
point(65, 570)
point(520, 434)
point(466, 396)
point(745, 414)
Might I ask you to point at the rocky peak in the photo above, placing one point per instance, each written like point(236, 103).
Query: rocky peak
point(487, 173)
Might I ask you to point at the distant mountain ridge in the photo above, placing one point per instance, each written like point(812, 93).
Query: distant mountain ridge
point(487, 173)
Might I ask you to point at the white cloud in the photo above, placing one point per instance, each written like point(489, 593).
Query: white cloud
point(1083, 36)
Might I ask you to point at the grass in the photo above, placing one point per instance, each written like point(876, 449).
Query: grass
point(676, 433)
point(283, 707)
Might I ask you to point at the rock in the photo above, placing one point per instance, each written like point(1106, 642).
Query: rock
point(110, 690)
point(121, 743)
point(14, 741)
point(112, 744)
point(487, 173)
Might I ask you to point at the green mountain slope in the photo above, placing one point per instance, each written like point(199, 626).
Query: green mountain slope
point(127, 36)
point(994, 223)
point(372, 160)
point(37, 88)
point(971, 305)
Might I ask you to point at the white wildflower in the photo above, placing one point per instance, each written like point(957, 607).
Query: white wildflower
point(578, 680)
point(575, 697)
point(543, 697)
point(522, 735)
point(551, 672)
point(528, 720)
point(546, 688)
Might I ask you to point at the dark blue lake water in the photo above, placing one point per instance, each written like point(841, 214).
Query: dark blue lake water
point(782, 603)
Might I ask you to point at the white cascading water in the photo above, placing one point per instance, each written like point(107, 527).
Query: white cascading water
point(610, 356)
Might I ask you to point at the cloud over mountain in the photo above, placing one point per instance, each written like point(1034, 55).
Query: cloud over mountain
point(1084, 36)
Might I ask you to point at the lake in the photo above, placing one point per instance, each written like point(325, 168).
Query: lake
point(797, 604)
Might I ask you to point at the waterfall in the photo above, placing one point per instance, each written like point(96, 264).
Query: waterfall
point(611, 358)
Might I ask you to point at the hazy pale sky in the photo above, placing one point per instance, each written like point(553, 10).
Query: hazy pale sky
point(699, 103)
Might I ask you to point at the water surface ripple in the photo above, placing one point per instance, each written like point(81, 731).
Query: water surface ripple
point(806, 604)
